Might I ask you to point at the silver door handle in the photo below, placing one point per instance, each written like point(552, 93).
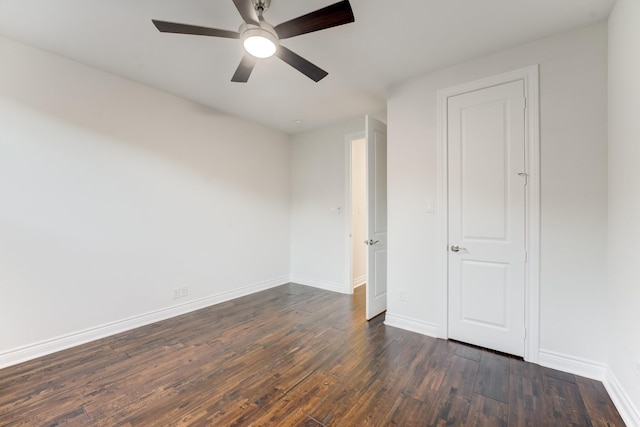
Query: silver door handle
point(456, 248)
point(371, 242)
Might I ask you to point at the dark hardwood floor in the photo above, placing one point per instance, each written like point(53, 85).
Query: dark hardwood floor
point(291, 356)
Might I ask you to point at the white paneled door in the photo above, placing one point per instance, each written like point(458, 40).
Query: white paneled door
point(487, 179)
point(376, 140)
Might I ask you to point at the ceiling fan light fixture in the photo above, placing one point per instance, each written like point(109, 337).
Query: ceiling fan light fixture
point(262, 40)
point(259, 41)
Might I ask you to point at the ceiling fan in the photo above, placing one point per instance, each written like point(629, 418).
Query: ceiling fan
point(262, 40)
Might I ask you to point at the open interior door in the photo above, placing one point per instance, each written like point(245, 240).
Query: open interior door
point(376, 140)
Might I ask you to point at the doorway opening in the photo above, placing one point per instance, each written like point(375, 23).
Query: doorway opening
point(373, 212)
point(358, 205)
point(356, 210)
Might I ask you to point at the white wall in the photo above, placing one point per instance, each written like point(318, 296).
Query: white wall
point(624, 201)
point(358, 211)
point(574, 188)
point(113, 193)
point(319, 256)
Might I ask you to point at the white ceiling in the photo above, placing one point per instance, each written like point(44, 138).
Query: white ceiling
point(389, 41)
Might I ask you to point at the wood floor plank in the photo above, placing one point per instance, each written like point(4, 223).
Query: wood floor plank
point(428, 370)
point(469, 352)
point(553, 373)
point(487, 412)
point(525, 394)
point(294, 407)
point(563, 403)
point(408, 412)
point(597, 402)
point(492, 373)
point(373, 406)
point(355, 382)
point(291, 356)
point(224, 412)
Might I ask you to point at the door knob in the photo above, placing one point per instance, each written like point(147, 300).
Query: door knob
point(371, 242)
point(456, 248)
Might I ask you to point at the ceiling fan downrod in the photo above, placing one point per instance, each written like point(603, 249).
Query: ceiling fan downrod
point(261, 6)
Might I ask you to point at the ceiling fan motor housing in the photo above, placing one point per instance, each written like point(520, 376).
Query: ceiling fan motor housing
point(262, 31)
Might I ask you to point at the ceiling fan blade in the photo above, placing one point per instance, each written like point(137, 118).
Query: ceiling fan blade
point(310, 70)
point(244, 69)
point(174, 27)
point(331, 16)
point(248, 13)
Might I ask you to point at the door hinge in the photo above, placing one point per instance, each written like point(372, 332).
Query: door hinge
point(526, 256)
point(525, 176)
point(524, 104)
point(525, 333)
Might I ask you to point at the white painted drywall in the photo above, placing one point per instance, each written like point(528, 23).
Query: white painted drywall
point(573, 69)
point(358, 211)
point(319, 254)
point(113, 193)
point(624, 199)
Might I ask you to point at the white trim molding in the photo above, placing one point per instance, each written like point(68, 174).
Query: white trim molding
point(413, 325)
point(530, 76)
point(359, 281)
point(595, 371)
point(323, 284)
point(53, 345)
point(628, 411)
point(573, 365)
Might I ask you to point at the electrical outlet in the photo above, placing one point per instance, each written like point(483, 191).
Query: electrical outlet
point(402, 296)
point(176, 293)
point(184, 291)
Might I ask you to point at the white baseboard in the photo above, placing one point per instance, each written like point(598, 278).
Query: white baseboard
point(359, 281)
point(321, 284)
point(413, 325)
point(596, 371)
point(628, 411)
point(573, 365)
point(43, 348)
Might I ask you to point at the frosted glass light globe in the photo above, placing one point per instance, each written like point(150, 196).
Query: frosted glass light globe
point(259, 46)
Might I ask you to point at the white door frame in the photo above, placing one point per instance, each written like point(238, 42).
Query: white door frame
point(348, 139)
point(532, 165)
